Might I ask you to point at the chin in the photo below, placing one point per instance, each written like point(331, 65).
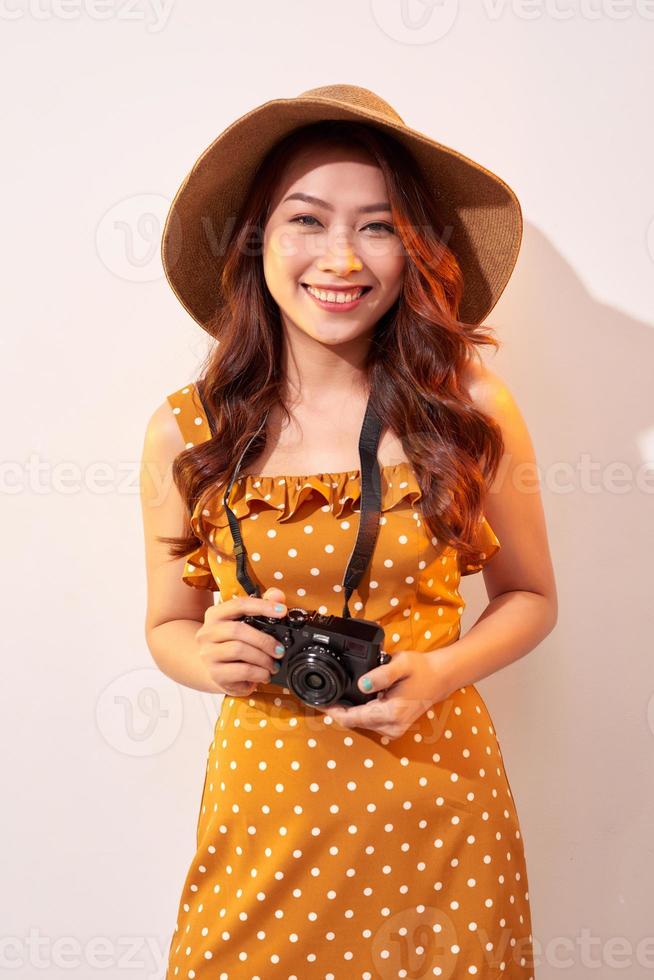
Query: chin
point(333, 334)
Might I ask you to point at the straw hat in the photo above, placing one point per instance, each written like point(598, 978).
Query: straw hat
point(478, 207)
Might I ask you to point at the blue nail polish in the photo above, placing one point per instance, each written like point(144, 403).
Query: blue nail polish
point(366, 683)
point(278, 607)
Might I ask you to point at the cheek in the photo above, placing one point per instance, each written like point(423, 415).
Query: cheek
point(280, 276)
point(284, 254)
point(391, 277)
point(394, 260)
point(387, 262)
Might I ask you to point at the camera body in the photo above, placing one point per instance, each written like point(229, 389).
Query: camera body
point(324, 655)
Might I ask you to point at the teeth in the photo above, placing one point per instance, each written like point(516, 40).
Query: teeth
point(333, 297)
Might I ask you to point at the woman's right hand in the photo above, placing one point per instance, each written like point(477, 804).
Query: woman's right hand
point(239, 656)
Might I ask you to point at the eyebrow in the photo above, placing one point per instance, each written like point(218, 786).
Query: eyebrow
point(309, 199)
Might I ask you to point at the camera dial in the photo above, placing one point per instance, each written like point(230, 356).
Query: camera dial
point(297, 616)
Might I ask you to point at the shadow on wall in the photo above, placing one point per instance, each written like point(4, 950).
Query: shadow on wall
point(576, 712)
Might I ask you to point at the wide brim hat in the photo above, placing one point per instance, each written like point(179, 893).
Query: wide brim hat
point(480, 212)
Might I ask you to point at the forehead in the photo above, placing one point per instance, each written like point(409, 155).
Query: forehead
point(338, 174)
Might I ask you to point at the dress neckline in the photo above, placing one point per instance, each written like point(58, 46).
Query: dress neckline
point(319, 476)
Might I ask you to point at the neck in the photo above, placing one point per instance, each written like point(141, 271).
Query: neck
point(316, 373)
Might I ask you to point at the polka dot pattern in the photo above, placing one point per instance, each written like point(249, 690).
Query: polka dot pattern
point(325, 852)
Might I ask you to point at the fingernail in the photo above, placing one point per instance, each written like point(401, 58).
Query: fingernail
point(279, 607)
point(279, 650)
point(275, 668)
point(366, 684)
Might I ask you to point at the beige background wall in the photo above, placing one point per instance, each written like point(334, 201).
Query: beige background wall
point(105, 110)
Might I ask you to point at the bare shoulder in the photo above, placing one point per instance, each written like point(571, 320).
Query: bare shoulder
point(163, 437)
point(489, 392)
point(162, 443)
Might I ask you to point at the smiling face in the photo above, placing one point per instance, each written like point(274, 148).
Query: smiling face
point(330, 227)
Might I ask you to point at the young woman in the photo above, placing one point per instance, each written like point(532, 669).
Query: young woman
point(345, 262)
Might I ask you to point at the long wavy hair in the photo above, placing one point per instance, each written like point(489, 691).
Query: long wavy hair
point(413, 368)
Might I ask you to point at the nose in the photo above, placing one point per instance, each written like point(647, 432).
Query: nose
point(340, 258)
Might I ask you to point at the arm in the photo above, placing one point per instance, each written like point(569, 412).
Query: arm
point(175, 612)
point(523, 604)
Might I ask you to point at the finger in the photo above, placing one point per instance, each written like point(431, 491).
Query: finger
point(380, 678)
point(241, 641)
point(237, 672)
point(273, 594)
point(241, 605)
point(372, 715)
point(239, 689)
point(233, 652)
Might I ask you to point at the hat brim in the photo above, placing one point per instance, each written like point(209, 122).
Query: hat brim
point(480, 212)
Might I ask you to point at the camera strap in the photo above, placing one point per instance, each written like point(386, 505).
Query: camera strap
point(370, 510)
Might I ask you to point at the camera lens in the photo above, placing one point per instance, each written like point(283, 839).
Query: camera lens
point(316, 675)
point(314, 681)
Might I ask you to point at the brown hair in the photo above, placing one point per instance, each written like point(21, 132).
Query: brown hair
point(414, 365)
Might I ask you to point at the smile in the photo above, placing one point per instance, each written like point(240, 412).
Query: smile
point(337, 299)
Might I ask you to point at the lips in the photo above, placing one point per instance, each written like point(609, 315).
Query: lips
point(337, 289)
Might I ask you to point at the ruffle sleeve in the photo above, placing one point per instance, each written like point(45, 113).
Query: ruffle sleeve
point(487, 541)
point(191, 419)
point(197, 572)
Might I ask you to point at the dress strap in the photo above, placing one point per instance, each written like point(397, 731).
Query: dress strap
point(190, 414)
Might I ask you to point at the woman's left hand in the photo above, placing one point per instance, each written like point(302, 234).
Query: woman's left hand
point(410, 683)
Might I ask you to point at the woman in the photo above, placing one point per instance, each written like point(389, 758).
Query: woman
point(381, 838)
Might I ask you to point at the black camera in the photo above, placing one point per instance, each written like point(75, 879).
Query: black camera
point(324, 655)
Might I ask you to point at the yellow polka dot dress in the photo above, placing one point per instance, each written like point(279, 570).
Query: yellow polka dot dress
point(334, 853)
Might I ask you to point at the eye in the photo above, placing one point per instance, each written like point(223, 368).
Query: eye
point(301, 218)
point(381, 224)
